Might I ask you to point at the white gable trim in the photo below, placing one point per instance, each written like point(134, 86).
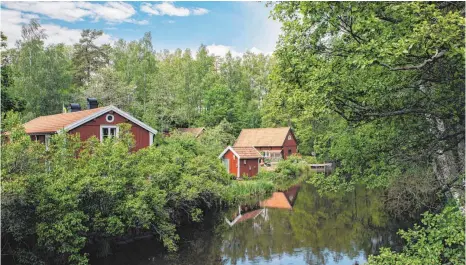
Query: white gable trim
point(105, 110)
point(226, 150)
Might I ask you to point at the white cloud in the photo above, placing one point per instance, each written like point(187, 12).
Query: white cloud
point(138, 22)
point(255, 50)
point(169, 9)
point(57, 34)
point(67, 11)
point(222, 50)
point(13, 20)
point(115, 12)
point(200, 11)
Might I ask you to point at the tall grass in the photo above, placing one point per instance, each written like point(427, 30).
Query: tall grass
point(241, 190)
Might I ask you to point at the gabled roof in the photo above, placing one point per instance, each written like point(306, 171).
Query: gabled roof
point(262, 137)
point(194, 131)
point(243, 152)
point(69, 121)
point(54, 123)
point(282, 199)
point(243, 217)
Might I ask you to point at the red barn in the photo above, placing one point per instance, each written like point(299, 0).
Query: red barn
point(100, 122)
point(273, 143)
point(241, 161)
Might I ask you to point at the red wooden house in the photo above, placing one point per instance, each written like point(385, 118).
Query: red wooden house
point(273, 143)
point(100, 122)
point(241, 161)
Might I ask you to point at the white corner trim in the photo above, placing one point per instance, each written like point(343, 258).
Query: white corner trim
point(109, 127)
point(151, 138)
point(226, 149)
point(105, 110)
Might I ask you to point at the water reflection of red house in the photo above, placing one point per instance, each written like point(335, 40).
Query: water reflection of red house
point(282, 199)
point(279, 200)
point(244, 213)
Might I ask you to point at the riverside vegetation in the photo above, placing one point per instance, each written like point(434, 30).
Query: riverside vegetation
point(56, 201)
point(376, 87)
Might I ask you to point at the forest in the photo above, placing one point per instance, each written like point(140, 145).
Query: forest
point(165, 89)
point(377, 88)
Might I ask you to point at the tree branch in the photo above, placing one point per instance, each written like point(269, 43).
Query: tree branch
point(416, 67)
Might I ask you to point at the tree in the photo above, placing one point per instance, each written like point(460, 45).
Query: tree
point(440, 240)
point(40, 76)
point(392, 72)
point(88, 57)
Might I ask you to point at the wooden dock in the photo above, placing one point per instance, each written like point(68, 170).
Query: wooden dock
point(324, 168)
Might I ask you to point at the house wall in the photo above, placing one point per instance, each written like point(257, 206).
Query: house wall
point(233, 162)
point(38, 137)
point(92, 128)
point(290, 145)
point(287, 145)
point(251, 168)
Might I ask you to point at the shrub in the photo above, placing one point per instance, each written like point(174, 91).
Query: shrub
point(439, 240)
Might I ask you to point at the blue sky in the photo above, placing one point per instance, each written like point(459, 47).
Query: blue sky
point(222, 26)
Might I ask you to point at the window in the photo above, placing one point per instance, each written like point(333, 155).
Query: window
point(244, 162)
point(289, 136)
point(289, 152)
point(109, 118)
point(108, 132)
point(234, 157)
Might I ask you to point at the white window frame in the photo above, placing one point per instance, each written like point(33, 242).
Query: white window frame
point(102, 127)
point(289, 136)
point(110, 115)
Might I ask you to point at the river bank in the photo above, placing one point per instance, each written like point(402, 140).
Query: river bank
point(327, 229)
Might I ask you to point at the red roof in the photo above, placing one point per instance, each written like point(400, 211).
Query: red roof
point(246, 152)
point(54, 123)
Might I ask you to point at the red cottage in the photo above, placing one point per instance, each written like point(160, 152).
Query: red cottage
point(273, 143)
point(100, 122)
point(241, 161)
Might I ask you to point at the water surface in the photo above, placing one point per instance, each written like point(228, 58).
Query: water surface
point(298, 226)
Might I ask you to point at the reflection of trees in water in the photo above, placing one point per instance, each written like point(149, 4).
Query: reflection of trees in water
point(319, 229)
point(326, 228)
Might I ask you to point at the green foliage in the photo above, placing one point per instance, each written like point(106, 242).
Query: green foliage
point(289, 172)
point(42, 89)
point(164, 89)
point(439, 240)
point(57, 201)
point(242, 190)
point(88, 57)
point(376, 86)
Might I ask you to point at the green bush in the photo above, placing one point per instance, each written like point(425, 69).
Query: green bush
point(57, 201)
point(439, 240)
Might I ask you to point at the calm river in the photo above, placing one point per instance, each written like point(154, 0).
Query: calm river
point(294, 227)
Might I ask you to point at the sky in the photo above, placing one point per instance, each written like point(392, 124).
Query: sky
point(221, 26)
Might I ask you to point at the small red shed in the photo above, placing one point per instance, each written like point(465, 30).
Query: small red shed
point(99, 122)
point(241, 161)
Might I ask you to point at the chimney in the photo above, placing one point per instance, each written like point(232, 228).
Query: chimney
point(74, 107)
point(92, 103)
